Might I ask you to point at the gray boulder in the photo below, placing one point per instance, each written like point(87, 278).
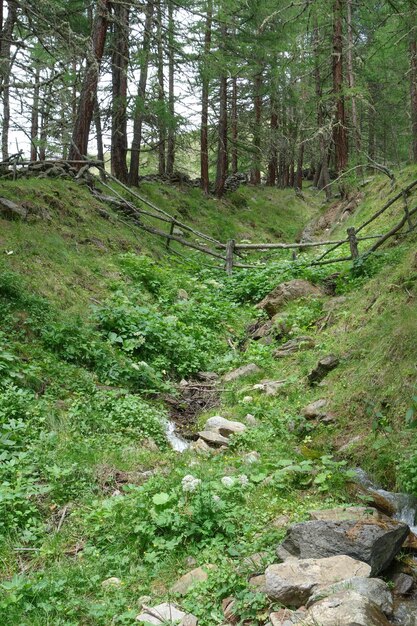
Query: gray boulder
point(223, 426)
point(347, 608)
point(286, 292)
point(294, 345)
point(374, 542)
point(294, 581)
point(374, 589)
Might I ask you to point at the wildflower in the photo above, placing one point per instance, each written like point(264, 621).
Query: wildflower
point(190, 483)
point(216, 499)
point(228, 481)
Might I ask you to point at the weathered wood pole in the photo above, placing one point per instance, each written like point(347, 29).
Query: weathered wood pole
point(353, 242)
point(230, 248)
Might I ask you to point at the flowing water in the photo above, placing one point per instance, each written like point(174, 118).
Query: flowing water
point(404, 504)
point(176, 442)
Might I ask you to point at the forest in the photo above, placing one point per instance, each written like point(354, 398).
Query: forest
point(278, 91)
point(208, 327)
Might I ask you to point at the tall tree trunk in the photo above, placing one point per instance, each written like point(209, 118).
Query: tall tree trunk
point(34, 126)
point(322, 177)
point(99, 131)
point(5, 72)
point(140, 98)
point(300, 163)
point(339, 129)
point(119, 66)
point(234, 127)
point(171, 93)
point(204, 155)
point(273, 149)
point(256, 170)
point(221, 173)
point(161, 96)
point(351, 79)
point(413, 80)
point(46, 107)
point(85, 109)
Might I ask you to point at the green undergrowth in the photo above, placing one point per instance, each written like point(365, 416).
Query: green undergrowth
point(95, 336)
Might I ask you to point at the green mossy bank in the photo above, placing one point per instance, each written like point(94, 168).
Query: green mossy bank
point(99, 323)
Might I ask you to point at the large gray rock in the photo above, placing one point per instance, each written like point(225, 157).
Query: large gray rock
point(374, 589)
point(294, 581)
point(315, 409)
point(242, 372)
point(223, 426)
point(339, 514)
point(11, 210)
point(346, 608)
point(375, 542)
point(286, 292)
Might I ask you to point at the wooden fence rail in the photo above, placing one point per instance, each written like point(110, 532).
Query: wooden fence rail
point(227, 252)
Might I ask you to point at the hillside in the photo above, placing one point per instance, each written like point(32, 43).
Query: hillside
point(104, 334)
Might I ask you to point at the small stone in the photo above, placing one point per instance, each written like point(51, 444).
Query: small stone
point(281, 521)
point(247, 399)
point(200, 447)
point(323, 367)
point(314, 409)
point(286, 617)
point(213, 439)
point(245, 370)
point(251, 420)
point(163, 613)
point(251, 457)
point(351, 443)
point(294, 345)
point(189, 580)
point(403, 584)
point(269, 387)
point(228, 606)
point(112, 582)
point(183, 295)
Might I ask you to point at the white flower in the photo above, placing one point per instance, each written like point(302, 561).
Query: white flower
point(216, 499)
point(228, 481)
point(190, 483)
point(247, 399)
point(243, 479)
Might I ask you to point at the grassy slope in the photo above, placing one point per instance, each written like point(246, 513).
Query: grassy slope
point(373, 331)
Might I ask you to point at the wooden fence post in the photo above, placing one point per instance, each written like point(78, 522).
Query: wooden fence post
point(353, 242)
point(230, 248)
point(171, 232)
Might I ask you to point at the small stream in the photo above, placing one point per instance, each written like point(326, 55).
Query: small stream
point(404, 504)
point(176, 442)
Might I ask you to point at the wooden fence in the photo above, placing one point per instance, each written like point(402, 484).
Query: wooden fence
point(231, 252)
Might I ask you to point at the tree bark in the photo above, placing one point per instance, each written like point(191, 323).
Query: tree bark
point(273, 150)
point(119, 67)
point(322, 178)
point(256, 170)
point(161, 96)
point(34, 126)
point(234, 127)
point(300, 163)
point(413, 82)
point(351, 79)
point(140, 98)
point(204, 156)
point(81, 131)
point(221, 174)
point(5, 72)
point(171, 92)
point(339, 129)
point(99, 131)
